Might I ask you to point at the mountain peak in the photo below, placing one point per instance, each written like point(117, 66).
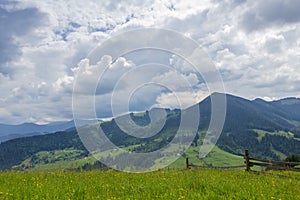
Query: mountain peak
point(259, 100)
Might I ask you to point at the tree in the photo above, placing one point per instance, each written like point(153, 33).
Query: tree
point(293, 158)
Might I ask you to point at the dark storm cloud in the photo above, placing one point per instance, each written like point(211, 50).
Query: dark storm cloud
point(15, 23)
point(271, 12)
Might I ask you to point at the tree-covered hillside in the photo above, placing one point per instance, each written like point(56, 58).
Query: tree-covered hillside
point(267, 129)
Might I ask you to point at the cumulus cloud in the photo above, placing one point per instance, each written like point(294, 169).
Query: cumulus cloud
point(122, 86)
point(263, 14)
point(15, 23)
point(183, 99)
point(254, 44)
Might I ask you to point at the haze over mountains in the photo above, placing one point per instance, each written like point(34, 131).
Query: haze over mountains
point(8, 132)
point(267, 129)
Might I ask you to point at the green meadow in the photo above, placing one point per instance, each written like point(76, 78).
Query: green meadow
point(165, 184)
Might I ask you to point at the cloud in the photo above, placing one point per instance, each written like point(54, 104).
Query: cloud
point(177, 81)
point(263, 14)
point(15, 23)
point(102, 77)
point(122, 85)
point(183, 99)
point(254, 44)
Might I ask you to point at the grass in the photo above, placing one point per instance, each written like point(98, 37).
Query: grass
point(139, 114)
point(70, 159)
point(262, 133)
point(217, 157)
point(62, 165)
point(57, 160)
point(169, 184)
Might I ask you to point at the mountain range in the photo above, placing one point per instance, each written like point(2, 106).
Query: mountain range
point(8, 132)
point(268, 129)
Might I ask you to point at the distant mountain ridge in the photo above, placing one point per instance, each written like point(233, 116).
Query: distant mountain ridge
point(8, 132)
point(268, 129)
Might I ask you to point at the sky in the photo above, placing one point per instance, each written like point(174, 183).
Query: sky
point(255, 45)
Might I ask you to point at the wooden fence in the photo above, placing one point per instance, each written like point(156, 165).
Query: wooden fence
point(190, 165)
point(269, 164)
point(251, 162)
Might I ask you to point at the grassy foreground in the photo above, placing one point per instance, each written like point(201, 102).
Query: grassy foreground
point(173, 184)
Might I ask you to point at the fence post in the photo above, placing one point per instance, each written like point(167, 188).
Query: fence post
point(247, 160)
point(30, 164)
point(270, 163)
point(187, 163)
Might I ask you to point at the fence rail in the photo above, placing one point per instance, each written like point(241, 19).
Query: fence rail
point(269, 164)
point(189, 165)
point(251, 162)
